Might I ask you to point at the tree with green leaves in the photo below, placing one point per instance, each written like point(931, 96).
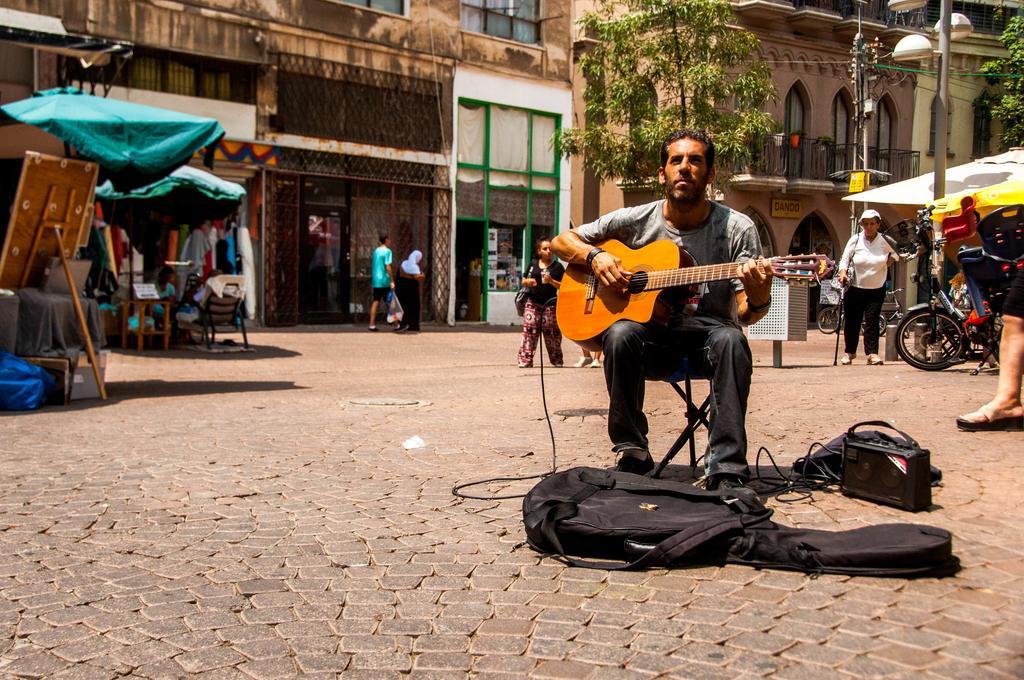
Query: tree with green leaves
point(1009, 102)
point(653, 66)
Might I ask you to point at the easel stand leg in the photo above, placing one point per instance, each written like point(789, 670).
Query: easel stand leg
point(81, 318)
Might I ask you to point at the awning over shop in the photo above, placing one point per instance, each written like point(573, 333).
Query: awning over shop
point(134, 144)
point(248, 153)
point(966, 178)
point(187, 189)
point(44, 32)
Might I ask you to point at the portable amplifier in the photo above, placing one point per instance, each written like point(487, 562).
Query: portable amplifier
point(887, 473)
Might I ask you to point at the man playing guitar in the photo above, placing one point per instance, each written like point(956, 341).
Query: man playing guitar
point(704, 327)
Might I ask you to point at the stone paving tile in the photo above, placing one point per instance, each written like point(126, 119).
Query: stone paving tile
point(295, 536)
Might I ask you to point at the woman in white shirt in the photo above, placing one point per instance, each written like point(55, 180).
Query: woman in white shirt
point(870, 255)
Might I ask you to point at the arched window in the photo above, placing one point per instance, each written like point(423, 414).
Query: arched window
point(885, 133)
point(795, 110)
point(841, 119)
point(764, 233)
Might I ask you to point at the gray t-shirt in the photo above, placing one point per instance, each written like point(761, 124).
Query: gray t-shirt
point(725, 236)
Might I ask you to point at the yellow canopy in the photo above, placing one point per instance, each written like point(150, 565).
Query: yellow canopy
point(985, 200)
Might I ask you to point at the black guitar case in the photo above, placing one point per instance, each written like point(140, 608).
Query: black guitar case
point(615, 520)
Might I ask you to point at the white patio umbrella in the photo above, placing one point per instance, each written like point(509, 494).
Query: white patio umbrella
point(978, 174)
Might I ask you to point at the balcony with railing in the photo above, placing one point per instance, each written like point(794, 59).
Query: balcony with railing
point(821, 17)
point(809, 164)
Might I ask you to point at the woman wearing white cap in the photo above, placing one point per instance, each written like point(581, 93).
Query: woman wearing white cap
point(870, 255)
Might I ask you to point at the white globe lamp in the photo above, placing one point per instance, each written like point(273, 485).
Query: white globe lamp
point(914, 47)
point(906, 5)
point(959, 26)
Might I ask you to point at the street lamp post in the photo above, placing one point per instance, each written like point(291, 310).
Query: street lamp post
point(910, 48)
point(942, 101)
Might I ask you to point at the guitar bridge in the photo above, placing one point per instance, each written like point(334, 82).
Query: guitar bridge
point(591, 294)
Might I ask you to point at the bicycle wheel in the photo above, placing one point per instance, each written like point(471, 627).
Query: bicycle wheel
point(828, 319)
point(882, 325)
point(929, 341)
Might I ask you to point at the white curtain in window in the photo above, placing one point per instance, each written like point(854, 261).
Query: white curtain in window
point(509, 143)
point(471, 134)
point(543, 144)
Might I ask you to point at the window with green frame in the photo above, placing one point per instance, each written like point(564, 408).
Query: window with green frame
point(508, 178)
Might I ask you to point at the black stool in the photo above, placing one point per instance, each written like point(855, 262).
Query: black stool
point(696, 416)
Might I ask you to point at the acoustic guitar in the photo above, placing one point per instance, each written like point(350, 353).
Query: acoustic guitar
point(587, 308)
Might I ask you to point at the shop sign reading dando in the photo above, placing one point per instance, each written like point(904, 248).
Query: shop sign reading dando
point(786, 207)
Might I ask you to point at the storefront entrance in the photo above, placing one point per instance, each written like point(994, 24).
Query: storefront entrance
point(324, 283)
point(469, 252)
point(813, 236)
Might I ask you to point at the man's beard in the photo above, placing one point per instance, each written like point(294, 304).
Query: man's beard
point(687, 196)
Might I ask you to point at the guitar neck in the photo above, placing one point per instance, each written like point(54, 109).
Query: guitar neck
point(689, 276)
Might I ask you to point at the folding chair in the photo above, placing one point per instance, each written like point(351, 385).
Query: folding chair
point(220, 308)
point(696, 416)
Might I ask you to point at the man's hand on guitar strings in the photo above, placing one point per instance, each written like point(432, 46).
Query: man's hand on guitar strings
point(608, 270)
point(756, 276)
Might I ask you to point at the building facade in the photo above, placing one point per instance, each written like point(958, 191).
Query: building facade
point(793, 185)
point(342, 122)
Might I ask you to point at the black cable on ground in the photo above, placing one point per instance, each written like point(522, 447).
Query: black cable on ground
point(457, 489)
point(812, 476)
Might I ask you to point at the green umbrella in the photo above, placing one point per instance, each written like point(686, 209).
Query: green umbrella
point(187, 190)
point(134, 144)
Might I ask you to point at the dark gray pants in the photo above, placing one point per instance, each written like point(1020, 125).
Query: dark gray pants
point(634, 352)
point(862, 305)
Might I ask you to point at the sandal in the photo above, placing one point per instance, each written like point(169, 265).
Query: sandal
point(1008, 424)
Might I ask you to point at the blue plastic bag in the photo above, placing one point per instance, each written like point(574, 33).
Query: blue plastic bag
point(23, 386)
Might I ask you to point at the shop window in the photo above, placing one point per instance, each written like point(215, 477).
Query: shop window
point(181, 79)
point(507, 177)
point(509, 139)
point(504, 256)
point(177, 73)
point(469, 192)
point(472, 121)
point(543, 144)
point(145, 73)
point(517, 20)
point(393, 6)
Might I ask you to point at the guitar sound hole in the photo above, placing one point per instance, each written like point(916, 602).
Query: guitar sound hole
point(637, 282)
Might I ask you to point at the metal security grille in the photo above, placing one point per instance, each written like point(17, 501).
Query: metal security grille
point(440, 258)
point(359, 167)
point(281, 294)
point(343, 101)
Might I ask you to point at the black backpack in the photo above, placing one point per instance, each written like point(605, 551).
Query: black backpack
point(640, 522)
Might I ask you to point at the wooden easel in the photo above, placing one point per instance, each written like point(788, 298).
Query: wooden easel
point(69, 184)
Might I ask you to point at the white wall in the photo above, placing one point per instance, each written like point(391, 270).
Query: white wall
point(521, 93)
point(238, 120)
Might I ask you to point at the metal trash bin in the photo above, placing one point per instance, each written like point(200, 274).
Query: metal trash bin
point(786, 318)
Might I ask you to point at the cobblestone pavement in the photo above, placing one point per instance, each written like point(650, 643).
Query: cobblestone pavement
point(243, 516)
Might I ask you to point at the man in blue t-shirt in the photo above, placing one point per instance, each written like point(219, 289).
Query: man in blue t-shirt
point(383, 280)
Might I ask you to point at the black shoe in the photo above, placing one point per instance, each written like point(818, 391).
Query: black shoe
point(634, 465)
point(726, 482)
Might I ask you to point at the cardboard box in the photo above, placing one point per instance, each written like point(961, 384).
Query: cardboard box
point(60, 369)
point(84, 382)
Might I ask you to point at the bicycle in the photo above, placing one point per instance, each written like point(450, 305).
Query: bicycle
point(892, 312)
point(937, 334)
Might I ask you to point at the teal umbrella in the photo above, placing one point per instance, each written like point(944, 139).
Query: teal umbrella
point(186, 190)
point(133, 144)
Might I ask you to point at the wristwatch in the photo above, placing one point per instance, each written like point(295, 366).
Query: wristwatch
point(592, 254)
